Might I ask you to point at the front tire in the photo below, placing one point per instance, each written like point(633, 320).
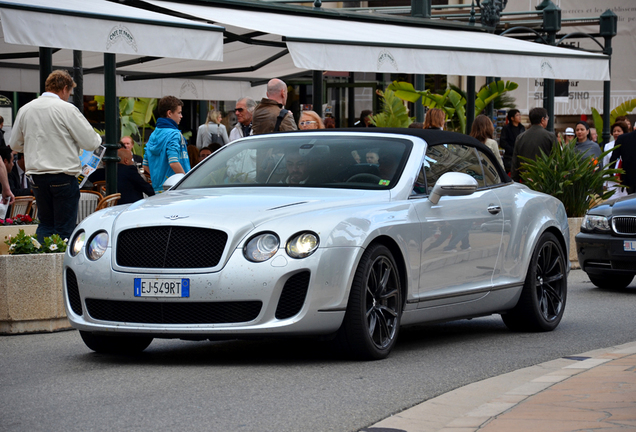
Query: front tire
point(542, 302)
point(611, 281)
point(115, 344)
point(372, 321)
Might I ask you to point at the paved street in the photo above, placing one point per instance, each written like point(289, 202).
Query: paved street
point(52, 382)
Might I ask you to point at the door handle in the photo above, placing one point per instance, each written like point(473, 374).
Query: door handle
point(494, 209)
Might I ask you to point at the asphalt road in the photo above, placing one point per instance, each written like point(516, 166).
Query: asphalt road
point(52, 382)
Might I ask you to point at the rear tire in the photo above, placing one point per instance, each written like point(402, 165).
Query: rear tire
point(611, 281)
point(115, 344)
point(372, 321)
point(542, 302)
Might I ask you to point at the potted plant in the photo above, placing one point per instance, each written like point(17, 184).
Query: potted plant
point(575, 179)
point(31, 284)
point(10, 227)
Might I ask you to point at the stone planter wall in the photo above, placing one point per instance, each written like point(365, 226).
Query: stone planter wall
point(575, 228)
point(31, 298)
point(13, 230)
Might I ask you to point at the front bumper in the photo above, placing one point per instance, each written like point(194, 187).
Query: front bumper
point(281, 296)
point(601, 254)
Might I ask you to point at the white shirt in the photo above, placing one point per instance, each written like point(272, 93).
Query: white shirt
point(51, 133)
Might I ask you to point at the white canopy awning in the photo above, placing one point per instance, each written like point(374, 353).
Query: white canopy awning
point(106, 27)
point(340, 44)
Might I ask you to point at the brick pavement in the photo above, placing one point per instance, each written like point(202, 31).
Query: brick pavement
point(594, 391)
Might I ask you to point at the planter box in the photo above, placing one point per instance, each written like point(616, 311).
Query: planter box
point(13, 230)
point(575, 228)
point(31, 293)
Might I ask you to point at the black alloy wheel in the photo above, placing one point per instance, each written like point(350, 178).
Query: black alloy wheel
point(372, 321)
point(542, 301)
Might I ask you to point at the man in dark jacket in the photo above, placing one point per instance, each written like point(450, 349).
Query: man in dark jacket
point(530, 143)
point(626, 151)
point(509, 134)
point(268, 110)
point(130, 184)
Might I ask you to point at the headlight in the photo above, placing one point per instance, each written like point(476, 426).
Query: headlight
point(261, 247)
point(595, 223)
point(97, 245)
point(302, 245)
point(78, 243)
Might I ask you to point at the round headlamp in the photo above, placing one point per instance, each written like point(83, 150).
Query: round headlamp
point(78, 243)
point(97, 245)
point(261, 247)
point(302, 245)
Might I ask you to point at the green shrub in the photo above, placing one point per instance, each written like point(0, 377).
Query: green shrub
point(566, 174)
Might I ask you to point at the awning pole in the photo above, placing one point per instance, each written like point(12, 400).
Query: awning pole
point(317, 92)
point(608, 24)
point(470, 103)
point(46, 66)
point(420, 84)
point(78, 77)
point(351, 105)
point(111, 108)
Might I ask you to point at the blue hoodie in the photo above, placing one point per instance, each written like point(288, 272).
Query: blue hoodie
point(165, 146)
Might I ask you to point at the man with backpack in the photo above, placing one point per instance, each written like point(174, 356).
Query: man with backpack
point(270, 115)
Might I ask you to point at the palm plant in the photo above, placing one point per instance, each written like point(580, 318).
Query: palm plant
point(570, 176)
point(621, 110)
point(453, 101)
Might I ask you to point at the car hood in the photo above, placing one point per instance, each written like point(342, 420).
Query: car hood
point(621, 206)
point(237, 209)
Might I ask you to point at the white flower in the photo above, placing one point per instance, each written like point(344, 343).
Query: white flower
point(53, 247)
point(65, 240)
point(36, 243)
point(12, 247)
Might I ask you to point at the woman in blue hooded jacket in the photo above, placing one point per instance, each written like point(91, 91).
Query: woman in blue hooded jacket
point(166, 151)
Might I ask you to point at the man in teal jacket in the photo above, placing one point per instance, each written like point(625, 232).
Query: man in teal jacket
point(166, 153)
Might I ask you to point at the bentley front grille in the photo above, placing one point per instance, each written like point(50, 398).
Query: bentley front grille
point(170, 247)
point(152, 312)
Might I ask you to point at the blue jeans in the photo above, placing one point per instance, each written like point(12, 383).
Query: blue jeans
point(57, 196)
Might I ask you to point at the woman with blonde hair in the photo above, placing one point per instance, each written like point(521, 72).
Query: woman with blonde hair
point(483, 131)
point(212, 131)
point(435, 119)
point(310, 120)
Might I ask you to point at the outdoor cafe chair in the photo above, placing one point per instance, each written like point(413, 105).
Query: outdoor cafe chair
point(87, 203)
point(21, 205)
point(108, 201)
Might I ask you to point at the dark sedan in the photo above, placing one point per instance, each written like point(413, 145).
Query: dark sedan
point(606, 245)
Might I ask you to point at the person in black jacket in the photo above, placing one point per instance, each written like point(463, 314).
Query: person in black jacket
point(626, 151)
point(130, 184)
point(509, 133)
point(18, 180)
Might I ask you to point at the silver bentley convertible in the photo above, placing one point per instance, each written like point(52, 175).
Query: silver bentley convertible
point(295, 234)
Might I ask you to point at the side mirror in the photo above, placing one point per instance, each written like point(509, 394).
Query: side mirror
point(172, 180)
point(453, 184)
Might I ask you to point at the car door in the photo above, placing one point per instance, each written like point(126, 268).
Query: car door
point(461, 235)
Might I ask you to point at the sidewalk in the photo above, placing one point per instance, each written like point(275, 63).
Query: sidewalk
point(594, 391)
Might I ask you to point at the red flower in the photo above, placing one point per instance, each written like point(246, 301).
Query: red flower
point(9, 221)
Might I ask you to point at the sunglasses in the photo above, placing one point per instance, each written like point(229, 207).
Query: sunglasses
point(238, 109)
point(307, 123)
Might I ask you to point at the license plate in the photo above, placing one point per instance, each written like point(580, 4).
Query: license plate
point(147, 287)
point(629, 246)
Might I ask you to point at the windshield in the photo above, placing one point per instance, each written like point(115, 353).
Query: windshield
point(304, 160)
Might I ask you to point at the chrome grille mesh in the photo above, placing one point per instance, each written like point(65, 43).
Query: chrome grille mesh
point(170, 247)
point(624, 224)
